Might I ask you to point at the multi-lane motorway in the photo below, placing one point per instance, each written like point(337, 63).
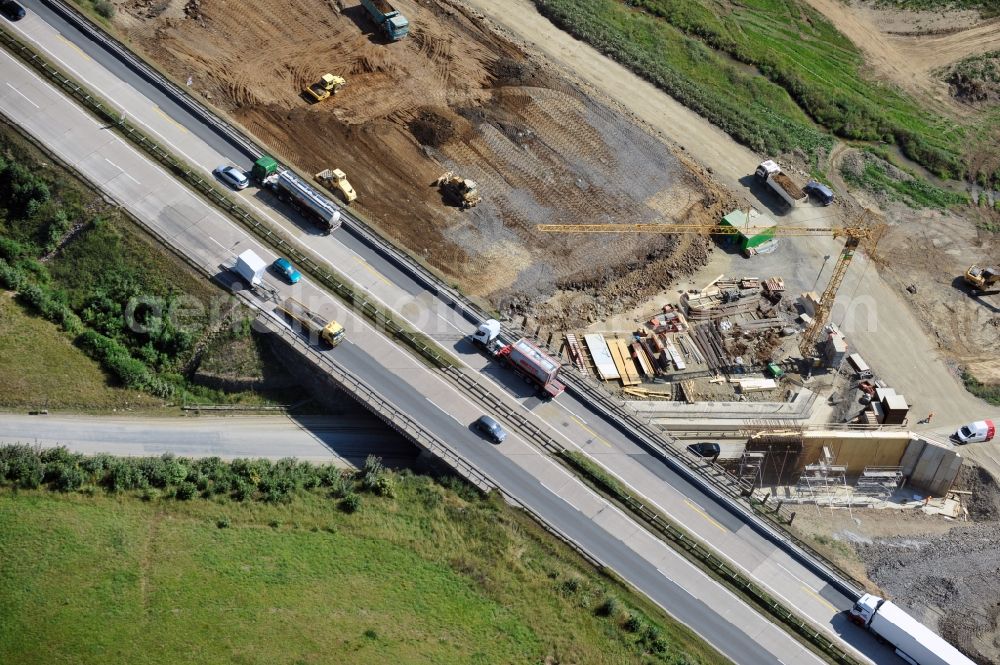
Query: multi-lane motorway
point(209, 239)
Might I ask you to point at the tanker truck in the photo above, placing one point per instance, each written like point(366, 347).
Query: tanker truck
point(914, 642)
point(525, 358)
point(297, 192)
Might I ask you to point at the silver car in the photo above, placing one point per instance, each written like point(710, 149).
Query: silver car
point(232, 176)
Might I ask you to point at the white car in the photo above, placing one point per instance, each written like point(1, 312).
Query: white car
point(232, 176)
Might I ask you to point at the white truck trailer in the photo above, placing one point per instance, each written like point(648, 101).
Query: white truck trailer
point(914, 642)
point(768, 171)
point(250, 268)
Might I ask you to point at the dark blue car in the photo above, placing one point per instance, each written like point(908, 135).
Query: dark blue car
point(822, 193)
point(12, 10)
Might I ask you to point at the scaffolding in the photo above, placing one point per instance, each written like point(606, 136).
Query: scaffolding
point(749, 472)
point(879, 482)
point(823, 478)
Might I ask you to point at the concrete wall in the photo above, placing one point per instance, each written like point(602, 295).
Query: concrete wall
point(929, 466)
point(856, 450)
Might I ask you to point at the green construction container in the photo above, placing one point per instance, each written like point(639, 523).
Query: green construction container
point(775, 371)
point(738, 219)
point(263, 167)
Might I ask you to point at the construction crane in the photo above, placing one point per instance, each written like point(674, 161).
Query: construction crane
point(863, 233)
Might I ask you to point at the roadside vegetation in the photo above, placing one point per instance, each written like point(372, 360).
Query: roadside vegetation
point(165, 551)
point(870, 170)
point(120, 298)
point(40, 368)
point(774, 74)
point(990, 393)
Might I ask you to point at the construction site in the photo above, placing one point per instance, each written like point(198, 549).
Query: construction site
point(513, 178)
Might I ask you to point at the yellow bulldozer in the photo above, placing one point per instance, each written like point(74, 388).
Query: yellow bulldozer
point(982, 277)
point(460, 191)
point(327, 85)
point(336, 181)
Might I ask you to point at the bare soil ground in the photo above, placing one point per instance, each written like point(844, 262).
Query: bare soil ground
point(939, 570)
point(908, 47)
point(451, 96)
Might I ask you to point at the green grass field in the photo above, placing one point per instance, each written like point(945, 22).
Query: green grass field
point(774, 74)
point(431, 576)
point(40, 368)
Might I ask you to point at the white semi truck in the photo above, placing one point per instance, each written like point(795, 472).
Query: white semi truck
point(768, 171)
point(914, 642)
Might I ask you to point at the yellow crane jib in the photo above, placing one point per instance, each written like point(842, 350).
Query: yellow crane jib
point(863, 234)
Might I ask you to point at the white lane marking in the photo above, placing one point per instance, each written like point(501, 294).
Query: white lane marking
point(436, 406)
point(22, 95)
point(224, 248)
point(123, 171)
point(568, 410)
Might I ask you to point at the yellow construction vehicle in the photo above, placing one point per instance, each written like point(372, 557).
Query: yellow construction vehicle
point(327, 85)
point(862, 233)
point(980, 277)
point(461, 191)
point(336, 181)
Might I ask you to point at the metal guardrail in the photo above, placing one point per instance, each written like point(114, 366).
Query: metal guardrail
point(616, 412)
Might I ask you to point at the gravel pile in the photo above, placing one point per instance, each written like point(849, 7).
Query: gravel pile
point(952, 581)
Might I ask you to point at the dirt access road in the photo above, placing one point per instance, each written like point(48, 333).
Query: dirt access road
point(878, 321)
point(451, 96)
point(909, 59)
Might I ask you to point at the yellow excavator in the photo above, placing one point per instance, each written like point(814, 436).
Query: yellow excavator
point(327, 85)
point(461, 191)
point(336, 181)
point(982, 277)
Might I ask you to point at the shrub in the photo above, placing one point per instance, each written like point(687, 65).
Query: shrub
point(104, 9)
point(123, 475)
point(22, 466)
point(185, 491)
point(68, 477)
point(350, 503)
point(222, 523)
point(634, 623)
point(608, 608)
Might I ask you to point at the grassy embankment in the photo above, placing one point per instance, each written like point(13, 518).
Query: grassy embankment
point(409, 571)
point(102, 287)
point(774, 74)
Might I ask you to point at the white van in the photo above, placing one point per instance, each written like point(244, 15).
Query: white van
point(981, 430)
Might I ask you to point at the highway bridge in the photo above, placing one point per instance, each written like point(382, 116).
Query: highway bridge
point(434, 407)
